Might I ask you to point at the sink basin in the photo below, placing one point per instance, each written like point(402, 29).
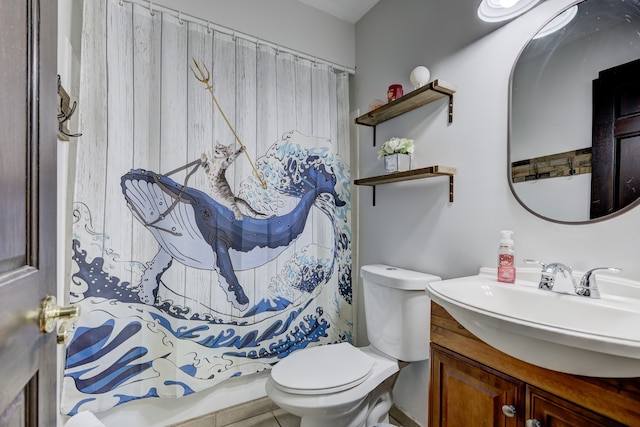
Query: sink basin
point(558, 331)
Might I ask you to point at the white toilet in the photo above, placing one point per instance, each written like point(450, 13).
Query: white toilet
point(341, 385)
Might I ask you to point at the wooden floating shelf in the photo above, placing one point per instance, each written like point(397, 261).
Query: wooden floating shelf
point(417, 98)
point(428, 172)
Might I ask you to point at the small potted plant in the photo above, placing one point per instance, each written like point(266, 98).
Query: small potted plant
point(396, 153)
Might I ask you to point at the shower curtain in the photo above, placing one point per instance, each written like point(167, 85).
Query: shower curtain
point(179, 293)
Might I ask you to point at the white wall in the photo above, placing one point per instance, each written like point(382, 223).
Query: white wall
point(288, 23)
point(413, 225)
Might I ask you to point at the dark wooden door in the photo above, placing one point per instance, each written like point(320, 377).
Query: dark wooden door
point(465, 393)
point(28, 85)
point(615, 180)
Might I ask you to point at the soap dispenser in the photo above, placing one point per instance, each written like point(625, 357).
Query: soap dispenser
point(506, 258)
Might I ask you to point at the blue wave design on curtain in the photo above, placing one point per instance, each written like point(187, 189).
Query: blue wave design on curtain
point(83, 350)
point(123, 350)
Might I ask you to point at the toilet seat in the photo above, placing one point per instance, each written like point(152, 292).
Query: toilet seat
point(322, 370)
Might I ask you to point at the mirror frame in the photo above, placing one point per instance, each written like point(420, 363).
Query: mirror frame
point(509, 135)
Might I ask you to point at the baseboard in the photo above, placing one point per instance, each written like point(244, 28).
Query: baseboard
point(403, 418)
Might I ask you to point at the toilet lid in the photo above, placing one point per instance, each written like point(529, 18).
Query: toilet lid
point(322, 369)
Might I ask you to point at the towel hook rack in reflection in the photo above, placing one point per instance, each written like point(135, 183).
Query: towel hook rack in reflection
point(572, 171)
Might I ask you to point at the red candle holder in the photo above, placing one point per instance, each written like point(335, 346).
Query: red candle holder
point(394, 92)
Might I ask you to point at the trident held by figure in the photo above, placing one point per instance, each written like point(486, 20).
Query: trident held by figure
point(204, 76)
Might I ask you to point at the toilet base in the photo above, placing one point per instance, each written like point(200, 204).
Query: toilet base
point(354, 416)
point(370, 410)
point(381, 400)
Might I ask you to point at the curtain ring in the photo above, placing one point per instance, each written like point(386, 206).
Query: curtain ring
point(233, 36)
point(180, 21)
point(121, 2)
point(151, 8)
point(277, 49)
point(209, 27)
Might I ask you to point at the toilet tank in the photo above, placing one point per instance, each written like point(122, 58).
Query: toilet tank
point(397, 311)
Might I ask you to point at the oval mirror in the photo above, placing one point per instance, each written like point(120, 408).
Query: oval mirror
point(574, 122)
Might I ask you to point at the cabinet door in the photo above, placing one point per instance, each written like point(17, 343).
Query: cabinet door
point(464, 393)
point(547, 410)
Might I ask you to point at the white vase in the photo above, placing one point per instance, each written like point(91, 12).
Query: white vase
point(397, 163)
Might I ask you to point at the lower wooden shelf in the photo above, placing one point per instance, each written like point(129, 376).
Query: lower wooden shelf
point(428, 172)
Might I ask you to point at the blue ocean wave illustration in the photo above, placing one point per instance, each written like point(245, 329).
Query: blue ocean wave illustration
point(123, 348)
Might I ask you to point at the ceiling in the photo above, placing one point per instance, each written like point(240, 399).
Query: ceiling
point(347, 10)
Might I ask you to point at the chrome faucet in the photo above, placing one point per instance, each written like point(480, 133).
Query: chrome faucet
point(587, 287)
point(549, 271)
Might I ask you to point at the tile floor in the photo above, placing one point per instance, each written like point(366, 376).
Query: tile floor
point(264, 413)
point(278, 418)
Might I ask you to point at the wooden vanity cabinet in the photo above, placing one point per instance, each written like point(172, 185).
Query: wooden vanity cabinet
point(550, 411)
point(473, 384)
point(465, 393)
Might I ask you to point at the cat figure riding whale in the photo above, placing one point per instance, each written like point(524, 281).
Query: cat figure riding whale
point(205, 232)
point(215, 166)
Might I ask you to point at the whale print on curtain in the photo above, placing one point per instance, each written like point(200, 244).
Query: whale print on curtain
point(226, 297)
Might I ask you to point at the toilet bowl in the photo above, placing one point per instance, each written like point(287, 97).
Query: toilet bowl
point(331, 385)
point(346, 386)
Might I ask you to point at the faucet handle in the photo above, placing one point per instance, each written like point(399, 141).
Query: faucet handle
point(552, 267)
point(588, 286)
point(535, 261)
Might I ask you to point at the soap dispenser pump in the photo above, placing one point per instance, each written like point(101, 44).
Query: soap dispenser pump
point(506, 258)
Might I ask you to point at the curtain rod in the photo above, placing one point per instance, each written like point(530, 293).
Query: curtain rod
point(230, 31)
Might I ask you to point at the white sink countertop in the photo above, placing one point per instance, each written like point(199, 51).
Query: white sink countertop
point(555, 330)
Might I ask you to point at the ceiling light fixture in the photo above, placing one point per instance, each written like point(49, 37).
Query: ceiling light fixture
point(503, 10)
point(507, 3)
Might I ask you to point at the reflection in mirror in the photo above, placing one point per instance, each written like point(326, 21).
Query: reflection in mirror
point(571, 158)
